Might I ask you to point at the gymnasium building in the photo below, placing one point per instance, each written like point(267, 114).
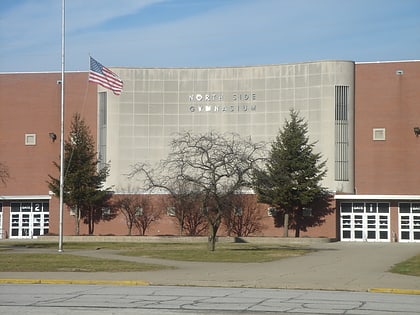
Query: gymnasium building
point(364, 118)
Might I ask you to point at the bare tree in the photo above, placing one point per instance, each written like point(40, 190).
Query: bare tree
point(195, 220)
point(217, 165)
point(187, 209)
point(146, 214)
point(4, 173)
point(244, 218)
point(130, 206)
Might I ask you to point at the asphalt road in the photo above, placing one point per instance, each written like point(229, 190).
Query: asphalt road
point(37, 299)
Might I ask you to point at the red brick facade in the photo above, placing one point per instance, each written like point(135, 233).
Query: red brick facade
point(387, 97)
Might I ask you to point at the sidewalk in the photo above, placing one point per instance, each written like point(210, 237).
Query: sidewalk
point(333, 266)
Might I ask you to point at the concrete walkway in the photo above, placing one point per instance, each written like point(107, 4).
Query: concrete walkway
point(333, 266)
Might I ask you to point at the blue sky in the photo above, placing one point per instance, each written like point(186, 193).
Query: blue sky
point(205, 33)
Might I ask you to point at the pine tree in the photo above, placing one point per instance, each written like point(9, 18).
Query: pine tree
point(291, 181)
point(83, 182)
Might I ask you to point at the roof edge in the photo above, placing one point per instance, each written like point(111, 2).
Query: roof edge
point(377, 197)
point(42, 72)
point(25, 197)
point(388, 61)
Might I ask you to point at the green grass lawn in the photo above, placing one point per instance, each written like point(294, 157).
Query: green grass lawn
point(225, 252)
point(9, 245)
point(409, 267)
point(14, 258)
point(59, 262)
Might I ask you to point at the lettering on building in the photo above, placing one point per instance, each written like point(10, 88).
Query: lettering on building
point(214, 102)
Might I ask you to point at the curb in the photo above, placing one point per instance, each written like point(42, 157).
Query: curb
point(58, 281)
point(145, 283)
point(395, 291)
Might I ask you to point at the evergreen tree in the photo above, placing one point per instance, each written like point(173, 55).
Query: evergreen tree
point(83, 182)
point(291, 180)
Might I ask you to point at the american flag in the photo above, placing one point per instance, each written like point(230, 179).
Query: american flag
point(104, 77)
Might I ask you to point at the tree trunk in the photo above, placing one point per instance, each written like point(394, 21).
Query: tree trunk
point(181, 226)
point(286, 225)
point(77, 221)
point(91, 226)
point(297, 232)
point(211, 245)
point(91, 223)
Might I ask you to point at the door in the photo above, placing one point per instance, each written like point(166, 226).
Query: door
point(1, 221)
point(29, 219)
point(409, 222)
point(367, 222)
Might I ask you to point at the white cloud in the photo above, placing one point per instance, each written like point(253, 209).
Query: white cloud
point(84, 14)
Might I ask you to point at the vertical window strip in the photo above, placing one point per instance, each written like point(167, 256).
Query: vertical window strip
point(102, 128)
point(341, 133)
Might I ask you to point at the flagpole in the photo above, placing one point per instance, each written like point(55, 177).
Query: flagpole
point(60, 238)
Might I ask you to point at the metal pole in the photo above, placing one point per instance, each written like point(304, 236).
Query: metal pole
point(60, 240)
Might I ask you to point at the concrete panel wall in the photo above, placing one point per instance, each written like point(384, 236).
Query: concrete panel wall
point(252, 101)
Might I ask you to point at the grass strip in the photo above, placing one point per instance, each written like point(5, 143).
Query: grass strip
point(59, 262)
point(10, 245)
point(226, 252)
point(183, 251)
point(409, 267)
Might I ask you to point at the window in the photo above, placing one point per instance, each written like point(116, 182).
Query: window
point(237, 211)
point(15, 207)
point(379, 134)
point(346, 207)
point(341, 101)
point(371, 207)
point(405, 207)
point(271, 211)
point(72, 212)
point(102, 126)
point(415, 207)
point(106, 212)
point(30, 139)
point(409, 221)
point(341, 133)
point(383, 207)
point(170, 211)
point(307, 212)
point(139, 211)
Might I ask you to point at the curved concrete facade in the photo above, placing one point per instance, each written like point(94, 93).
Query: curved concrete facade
point(252, 101)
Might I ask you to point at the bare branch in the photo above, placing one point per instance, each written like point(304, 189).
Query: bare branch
point(214, 166)
point(4, 173)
